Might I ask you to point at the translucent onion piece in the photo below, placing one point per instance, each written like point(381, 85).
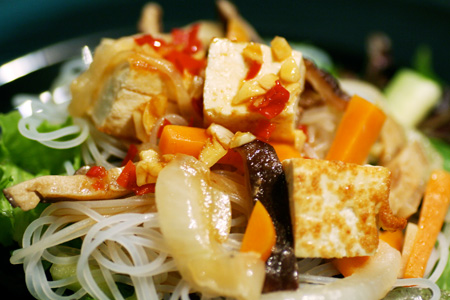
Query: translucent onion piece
point(181, 191)
point(175, 81)
point(371, 282)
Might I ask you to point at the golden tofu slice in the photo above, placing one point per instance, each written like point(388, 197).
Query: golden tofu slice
point(334, 206)
point(120, 81)
point(127, 89)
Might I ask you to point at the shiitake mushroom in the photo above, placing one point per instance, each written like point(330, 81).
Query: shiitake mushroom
point(267, 184)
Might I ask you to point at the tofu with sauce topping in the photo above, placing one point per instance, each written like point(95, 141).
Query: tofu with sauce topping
point(225, 77)
point(334, 206)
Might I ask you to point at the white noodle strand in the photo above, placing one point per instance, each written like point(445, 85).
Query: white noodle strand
point(443, 249)
point(420, 283)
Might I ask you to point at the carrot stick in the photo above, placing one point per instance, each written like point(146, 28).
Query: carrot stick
point(393, 238)
point(260, 233)
point(410, 236)
point(285, 151)
point(182, 139)
point(434, 208)
point(357, 131)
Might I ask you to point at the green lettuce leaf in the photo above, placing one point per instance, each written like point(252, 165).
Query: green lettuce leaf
point(444, 280)
point(30, 155)
point(23, 159)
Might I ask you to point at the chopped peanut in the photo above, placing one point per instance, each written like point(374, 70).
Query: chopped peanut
point(217, 144)
point(280, 48)
point(290, 71)
point(148, 168)
point(268, 81)
point(253, 52)
point(249, 89)
point(241, 138)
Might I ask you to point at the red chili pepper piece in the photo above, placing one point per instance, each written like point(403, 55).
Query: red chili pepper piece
point(273, 102)
point(264, 129)
point(194, 44)
point(187, 38)
point(150, 40)
point(131, 154)
point(253, 70)
point(179, 36)
point(97, 172)
point(98, 185)
point(304, 128)
point(127, 178)
point(145, 189)
point(160, 130)
point(184, 61)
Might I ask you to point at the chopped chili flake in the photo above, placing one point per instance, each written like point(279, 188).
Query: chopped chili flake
point(97, 172)
point(304, 128)
point(187, 38)
point(179, 52)
point(264, 129)
point(253, 70)
point(273, 102)
point(165, 123)
point(98, 185)
point(183, 61)
point(179, 36)
point(131, 154)
point(194, 44)
point(150, 40)
point(145, 189)
point(127, 178)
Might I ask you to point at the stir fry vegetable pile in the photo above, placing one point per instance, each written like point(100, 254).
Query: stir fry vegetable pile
point(207, 160)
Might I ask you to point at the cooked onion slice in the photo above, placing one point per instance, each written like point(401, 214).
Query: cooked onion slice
point(185, 201)
point(371, 282)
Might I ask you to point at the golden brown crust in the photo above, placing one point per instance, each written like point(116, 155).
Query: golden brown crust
point(335, 206)
point(389, 221)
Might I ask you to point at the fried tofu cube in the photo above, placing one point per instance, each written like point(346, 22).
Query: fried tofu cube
point(334, 206)
point(225, 76)
point(125, 91)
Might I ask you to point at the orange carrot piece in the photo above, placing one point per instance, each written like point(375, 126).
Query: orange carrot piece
point(393, 238)
point(234, 159)
point(348, 265)
point(260, 233)
point(285, 151)
point(182, 139)
point(408, 242)
point(434, 208)
point(357, 131)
